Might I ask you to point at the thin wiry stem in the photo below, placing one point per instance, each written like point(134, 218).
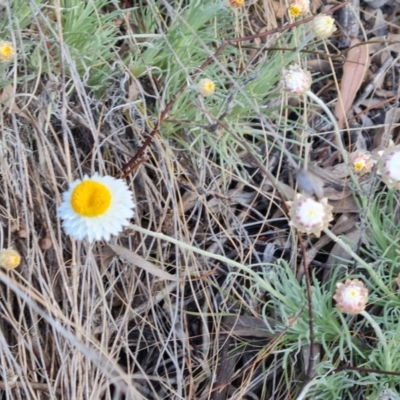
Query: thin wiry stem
point(364, 264)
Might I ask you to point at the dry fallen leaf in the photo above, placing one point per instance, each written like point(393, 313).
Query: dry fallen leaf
point(279, 10)
point(346, 205)
point(246, 325)
point(7, 97)
point(140, 262)
point(354, 71)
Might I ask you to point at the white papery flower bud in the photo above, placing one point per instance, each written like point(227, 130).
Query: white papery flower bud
point(206, 87)
point(308, 215)
point(351, 297)
point(296, 80)
point(361, 162)
point(389, 166)
point(323, 26)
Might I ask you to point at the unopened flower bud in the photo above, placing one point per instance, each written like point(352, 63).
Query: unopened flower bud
point(323, 26)
point(10, 259)
point(206, 87)
point(6, 51)
point(361, 162)
point(296, 80)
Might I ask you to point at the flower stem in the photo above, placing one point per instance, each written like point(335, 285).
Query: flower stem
point(380, 336)
point(338, 137)
point(263, 282)
point(357, 258)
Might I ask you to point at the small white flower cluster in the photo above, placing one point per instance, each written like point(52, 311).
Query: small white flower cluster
point(309, 212)
point(312, 216)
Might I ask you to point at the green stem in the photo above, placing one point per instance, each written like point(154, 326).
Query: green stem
point(357, 258)
point(338, 137)
point(257, 278)
point(380, 336)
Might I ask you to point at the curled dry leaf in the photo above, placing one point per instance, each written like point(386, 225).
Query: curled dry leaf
point(354, 71)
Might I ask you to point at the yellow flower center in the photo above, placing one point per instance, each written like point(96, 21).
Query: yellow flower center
point(311, 212)
point(353, 293)
point(15, 260)
point(10, 259)
point(359, 165)
point(295, 11)
point(209, 86)
point(6, 50)
point(91, 199)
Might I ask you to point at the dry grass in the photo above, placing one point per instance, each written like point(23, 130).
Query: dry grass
point(79, 322)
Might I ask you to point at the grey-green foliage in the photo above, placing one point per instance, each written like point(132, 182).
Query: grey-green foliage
point(194, 34)
point(341, 338)
point(84, 48)
point(90, 35)
point(384, 230)
point(15, 18)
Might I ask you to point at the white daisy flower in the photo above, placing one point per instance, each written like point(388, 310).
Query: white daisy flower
point(96, 207)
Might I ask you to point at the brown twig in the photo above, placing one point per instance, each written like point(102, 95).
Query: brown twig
point(128, 167)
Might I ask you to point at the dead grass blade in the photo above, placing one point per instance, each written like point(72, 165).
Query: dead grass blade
point(140, 262)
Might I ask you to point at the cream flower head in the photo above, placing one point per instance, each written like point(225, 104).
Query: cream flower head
point(6, 51)
point(206, 87)
point(96, 207)
point(10, 259)
point(351, 297)
point(299, 8)
point(323, 26)
point(361, 162)
point(308, 215)
point(296, 81)
point(389, 166)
